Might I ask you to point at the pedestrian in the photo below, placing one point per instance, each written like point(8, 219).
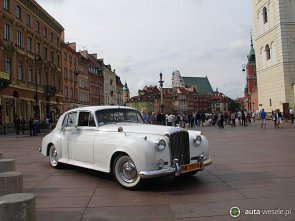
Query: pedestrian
point(274, 117)
point(233, 119)
point(31, 126)
point(254, 116)
point(244, 120)
point(263, 118)
point(240, 117)
point(22, 125)
point(292, 115)
point(279, 118)
point(221, 120)
point(17, 125)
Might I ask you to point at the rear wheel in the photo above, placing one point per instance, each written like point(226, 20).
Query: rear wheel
point(53, 157)
point(125, 172)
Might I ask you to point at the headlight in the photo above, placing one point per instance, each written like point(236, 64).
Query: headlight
point(197, 140)
point(160, 144)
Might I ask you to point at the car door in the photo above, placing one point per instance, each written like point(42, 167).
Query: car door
point(81, 142)
point(68, 128)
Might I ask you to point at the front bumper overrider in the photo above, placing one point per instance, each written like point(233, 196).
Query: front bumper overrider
point(175, 169)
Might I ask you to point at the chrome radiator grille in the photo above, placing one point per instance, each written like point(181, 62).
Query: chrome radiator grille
point(179, 147)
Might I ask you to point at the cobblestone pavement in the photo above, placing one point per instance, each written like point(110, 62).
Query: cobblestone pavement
point(253, 169)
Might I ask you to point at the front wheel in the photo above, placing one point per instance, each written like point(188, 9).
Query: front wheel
point(53, 157)
point(125, 172)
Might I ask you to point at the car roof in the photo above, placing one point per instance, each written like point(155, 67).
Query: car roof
point(95, 108)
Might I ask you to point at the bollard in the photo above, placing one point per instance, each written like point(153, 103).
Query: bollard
point(7, 165)
point(18, 207)
point(11, 182)
point(1, 155)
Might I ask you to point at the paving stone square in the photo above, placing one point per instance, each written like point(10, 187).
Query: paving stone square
point(253, 169)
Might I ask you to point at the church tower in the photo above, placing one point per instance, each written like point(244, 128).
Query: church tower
point(126, 94)
point(251, 96)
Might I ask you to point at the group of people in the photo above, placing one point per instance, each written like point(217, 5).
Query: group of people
point(33, 125)
point(198, 119)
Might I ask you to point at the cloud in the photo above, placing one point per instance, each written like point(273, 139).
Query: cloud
point(52, 1)
point(238, 47)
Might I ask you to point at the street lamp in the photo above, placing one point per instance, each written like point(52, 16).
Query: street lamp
point(37, 62)
point(161, 87)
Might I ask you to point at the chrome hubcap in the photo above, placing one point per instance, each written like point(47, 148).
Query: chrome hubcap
point(128, 172)
point(53, 156)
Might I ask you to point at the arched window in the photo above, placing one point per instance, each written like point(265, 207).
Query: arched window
point(264, 12)
point(267, 52)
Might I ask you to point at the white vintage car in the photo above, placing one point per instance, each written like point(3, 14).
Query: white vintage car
point(116, 140)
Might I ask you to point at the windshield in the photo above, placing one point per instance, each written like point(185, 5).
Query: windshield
point(118, 115)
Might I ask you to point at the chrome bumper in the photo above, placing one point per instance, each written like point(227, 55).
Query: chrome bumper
point(173, 170)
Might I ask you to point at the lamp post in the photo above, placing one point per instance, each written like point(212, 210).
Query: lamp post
point(161, 91)
point(37, 62)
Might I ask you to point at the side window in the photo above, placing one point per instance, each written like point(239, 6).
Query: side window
point(71, 119)
point(83, 119)
point(86, 119)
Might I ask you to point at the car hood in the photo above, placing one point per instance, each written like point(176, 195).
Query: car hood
point(140, 128)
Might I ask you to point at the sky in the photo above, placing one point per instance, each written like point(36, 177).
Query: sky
point(142, 38)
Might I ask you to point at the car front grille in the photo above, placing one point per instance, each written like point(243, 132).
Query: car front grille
point(179, 147)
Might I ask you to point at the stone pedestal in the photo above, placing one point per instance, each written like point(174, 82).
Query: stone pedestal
point(18, 207)
point(7, 165)
point(11, 182)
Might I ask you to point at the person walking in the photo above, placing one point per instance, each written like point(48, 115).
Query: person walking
point(279, 118)
point(17, 125)
point(31, 126)
point(292, 115)
point(263, 118)
point(22, 125)
point(233, 119)
point(274, 117)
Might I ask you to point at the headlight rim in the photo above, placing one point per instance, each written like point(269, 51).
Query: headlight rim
point(197, 140)
point(161, 144)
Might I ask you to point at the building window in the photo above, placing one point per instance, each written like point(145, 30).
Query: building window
point(58, 60)
point(66, 73)
point(38, 48)
point(46, 78)
point(264, 15)
point(29, 44)
point(66, 91)
point(57, 42)
point(7, 31)
point(6, 5)
point(267, 52)
point(38, 26)
point(8, 65)
point(45, 53)
point(20, 71)
point(59, 83)
point(45, 32)
point(270, 104)
point(19, 38)
point(65, 57)
point(53, 80)
point(30, 76)
point(39, 76)
point(18, 12)
point(29, 20)
point(51, 37)
point(52, 57)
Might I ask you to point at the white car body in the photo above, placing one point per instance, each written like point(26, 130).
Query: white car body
point(135, 150)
